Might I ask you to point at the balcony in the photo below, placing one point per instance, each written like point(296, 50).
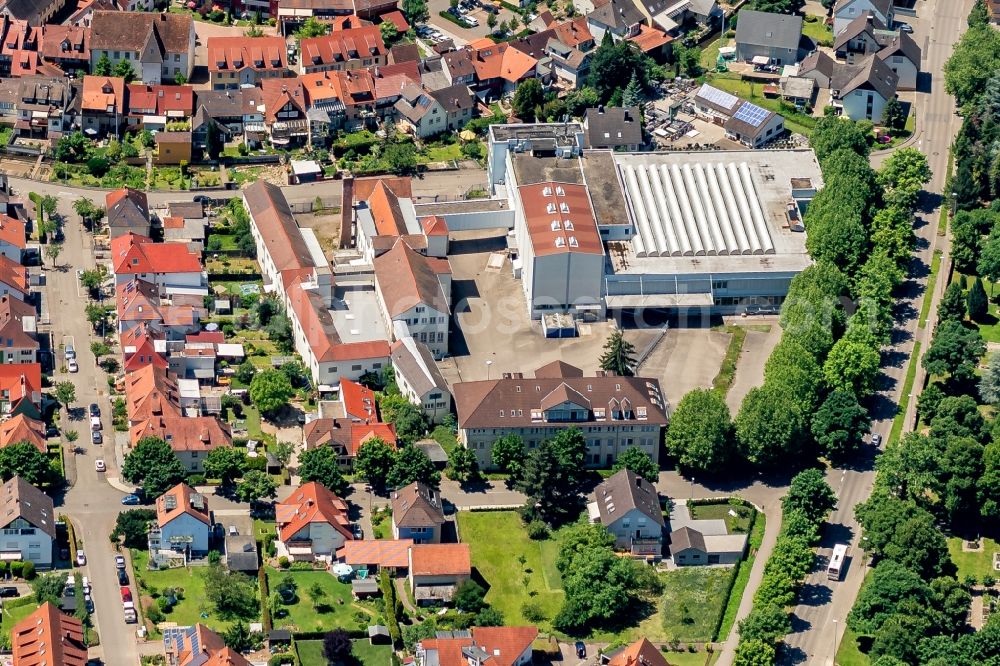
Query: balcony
point(646, 547)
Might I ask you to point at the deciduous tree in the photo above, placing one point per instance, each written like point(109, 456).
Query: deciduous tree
point(255, 486)
point(226, 463)
point(410, 464)
point(270, 390)
point(954, 350)
point(154, 465)
point(638, 461)
point(700, 433)
point(508, 454)
point(839, 425)
point(321, 465)
point(374, 461)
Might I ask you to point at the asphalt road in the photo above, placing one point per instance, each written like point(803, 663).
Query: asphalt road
point(819, 619)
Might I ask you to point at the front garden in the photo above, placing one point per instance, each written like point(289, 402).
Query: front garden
point(318, 601)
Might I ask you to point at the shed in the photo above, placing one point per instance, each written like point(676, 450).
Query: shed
point(273, 464)
point(379, 635)
point(305, 171)
point(435, 452)
point(223, 306)
point(277, 637)
point(363, 588)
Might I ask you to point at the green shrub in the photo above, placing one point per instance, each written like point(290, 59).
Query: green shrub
point(283, 562)
point(154, 614)
point(16, 569)
point(537, 530)
point(29, 571)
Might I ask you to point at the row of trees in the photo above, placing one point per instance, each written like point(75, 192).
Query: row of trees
point(803, 511)
point(944, 476)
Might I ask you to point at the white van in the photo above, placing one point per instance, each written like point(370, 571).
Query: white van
point(70, 352)
point(95, 423)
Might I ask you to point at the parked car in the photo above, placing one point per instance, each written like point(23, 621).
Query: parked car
point(470, 21)
point(81, 558)
point(131, 500)
point(95, 409)
point(100, 466)
point(69, 352)
point(8, 592)
point(126, 594)
point(122, 577)
point(51, 431)
point(95, 423)
point(905, 27)
point(581, 649)
point(96, 437)
point(72, 365)
point(119, 562)
point(876, 439)
point(201, 198)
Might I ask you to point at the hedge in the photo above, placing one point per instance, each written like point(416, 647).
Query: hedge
point(28, 600)
point(389, 601)
point(264, 598)
point(71, 535)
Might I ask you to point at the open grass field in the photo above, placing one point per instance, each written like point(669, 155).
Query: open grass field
point(366, 654)
point(692, 600)
point(335, 607)
point(977, 564)
point(735, 524)
point(497, 539)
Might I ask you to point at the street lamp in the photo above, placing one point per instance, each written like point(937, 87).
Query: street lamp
point(488, 364)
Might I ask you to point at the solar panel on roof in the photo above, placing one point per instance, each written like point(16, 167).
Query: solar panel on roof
point(751, 114)
point(716, 96)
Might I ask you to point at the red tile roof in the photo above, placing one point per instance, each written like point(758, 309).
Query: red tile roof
point(392, 553)
point(560, 219)
point(406, 279)
point(151, 392)
point(650, 39)
point(103, 94)
point(184, 433)
point(277, 94)
point(311, 503)
point(441, 559)
point(160, 100)
point(342, 46)
point(21, 428)
point(397, 19)
point(503, 646)
point(48, 637)
point(181, 503)
point(391, 79)
point(12, 231)
point(21, 380)
point(65, 42)
point(639, 653)
point(133, 254)
point(13, 275)
point(434, 226)
point(359, 401)
point(229, 54)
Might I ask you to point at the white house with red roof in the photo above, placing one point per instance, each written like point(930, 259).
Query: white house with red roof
point(183, 522)
point(12, 239)
point(13, 279)
point(312, 524)
point(170, 266)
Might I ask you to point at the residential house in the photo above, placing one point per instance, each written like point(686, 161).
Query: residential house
point(230, 109)
point(46, 107)
point(312, 523)
point(819, 67)
point(14, 280)
point(374, 555)
point(574, 33)
point(183, 522)
point(388, 82)
point(127, 211)
point(172, 148)
point(198, 646)
point(419, 379)
point(696, 542)
point(48, 636)
point(404, 53)
point(150, 392)
point(185, 224)
point(862, 90)
point(237, 61)
point(845, 11)
point(346, 436)
point(354, 48)
point(629, 508)
point(65, 46)
point(570, 65)
point(291, 14)
point(140, 302)
point(103, 106)
point(33, 12)
point(652, 42)
point(414, 296)
point(417, 513)
point(617, 128)
point(18, 331)
point(769, 38)
point(160, 46)
point(191, 438)
point(19, 51)
point(500, 68)
point(143, 345)
point(12, 237)
point(858, 37)
point(284, 102)
point(639, 653)
point(21, 390)
point(482, 646)
point(754, 126)
point(458, 68)
point(437, 570)
point(153, 106)
point(458, 103)
point(902, 55)
point(28, 523)
point(23, 428)
point(619, 17)
point(167, 265)
point(420, 113)
point(84, 14)
point(614, 413)
point(867, 35)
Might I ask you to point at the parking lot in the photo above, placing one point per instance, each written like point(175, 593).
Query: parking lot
point(465, 33)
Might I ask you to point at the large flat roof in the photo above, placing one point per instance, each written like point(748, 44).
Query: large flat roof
point(605, 191)
point(712, 211)
point(529, 170)
point(535, 131)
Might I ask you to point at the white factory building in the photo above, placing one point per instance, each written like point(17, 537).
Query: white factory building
point(594, 230)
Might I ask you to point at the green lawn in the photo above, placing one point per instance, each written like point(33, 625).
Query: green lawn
point(742, 578)
point(727, 371)
point(848, 654)
point(753, 92)
point(974, 564)
point(925, 305)
point(692, 599)
point(817, 30)
point(497, 538)
point(720, 511)
point(710, 54)
point(12, 616)
point(691, 658)
point(904, 401)
point(336, 608)
point(445, 437)
point(311, 653)
point(193, 607)
point(241, 175)
point(441, 152)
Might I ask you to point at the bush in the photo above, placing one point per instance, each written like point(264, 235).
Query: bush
point(283, 562)
point(164, 604)
point(196, 480)
point(97, 166)
point(214, 557)
point(154, 614)
point(537, 530)
point(29, 571)
point(16, 569)
point(532, 612)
